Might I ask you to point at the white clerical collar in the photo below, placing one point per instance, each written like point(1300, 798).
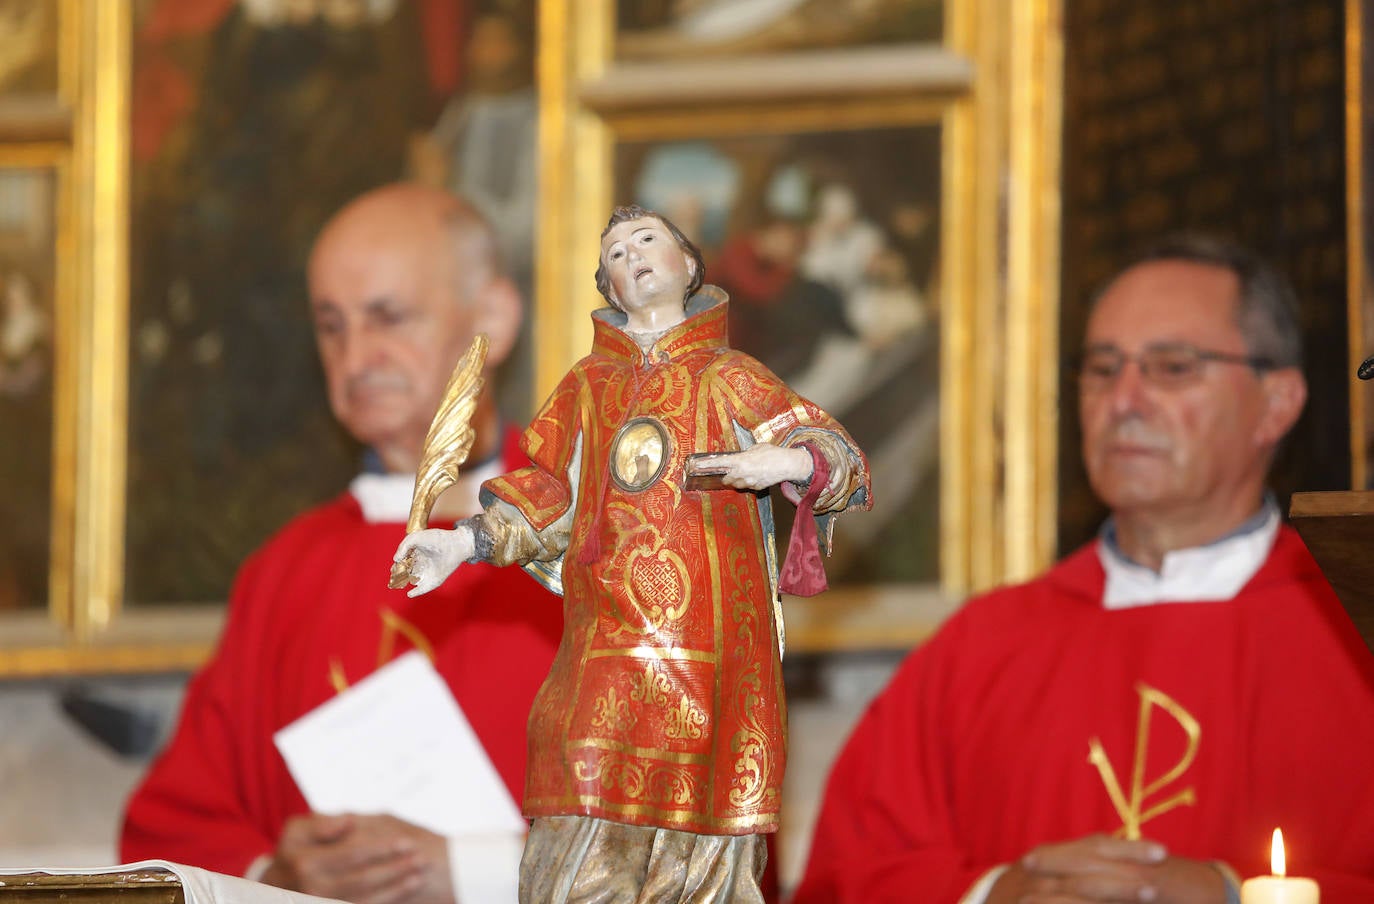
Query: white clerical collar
point(1216, 571)
point(385, 498)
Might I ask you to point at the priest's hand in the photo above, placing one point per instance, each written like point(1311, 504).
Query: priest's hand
point(434, 554)
point(430, 852)
point(757, 468)
point(363, 859)
point(1103, 869)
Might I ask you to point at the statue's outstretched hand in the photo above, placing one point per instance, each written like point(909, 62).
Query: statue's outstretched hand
point(756, 468)
point(434, 555)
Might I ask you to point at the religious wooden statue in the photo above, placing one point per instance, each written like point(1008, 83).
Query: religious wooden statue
point(657, 744)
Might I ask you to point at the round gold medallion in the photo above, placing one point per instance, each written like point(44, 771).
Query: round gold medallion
point(639, 453)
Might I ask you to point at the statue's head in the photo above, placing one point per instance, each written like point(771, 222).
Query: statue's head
point(645, 259)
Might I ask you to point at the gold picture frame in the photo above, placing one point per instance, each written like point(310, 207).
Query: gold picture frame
point(996, 101)
point(84, 133)
point(133, 79)
point(997, 104)
point(1359, 133)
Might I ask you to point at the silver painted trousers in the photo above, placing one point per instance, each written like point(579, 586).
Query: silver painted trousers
point(585, 860)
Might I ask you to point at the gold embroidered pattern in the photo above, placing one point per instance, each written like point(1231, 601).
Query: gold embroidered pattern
point(611, 713)
point(663, 817)
point(753, 762)
point(685, 721)
point(616, 748)
point(660, 654)
point(657, 784)
point(750, 788)
point(659, 585)
point(1134, 811)
point(652, 687)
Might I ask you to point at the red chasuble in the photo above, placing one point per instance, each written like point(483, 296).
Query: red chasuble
point(664, 705)
point(1035, 716)
point(310, 615)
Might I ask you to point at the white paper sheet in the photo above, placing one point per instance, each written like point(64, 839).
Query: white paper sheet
point(398, 743)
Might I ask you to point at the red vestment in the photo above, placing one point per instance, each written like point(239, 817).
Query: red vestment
point(310, 614)
point(1010, 728)
point(664, 704)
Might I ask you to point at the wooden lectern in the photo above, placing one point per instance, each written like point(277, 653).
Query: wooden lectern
point(1338, 529)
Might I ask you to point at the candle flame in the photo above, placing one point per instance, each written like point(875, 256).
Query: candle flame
point(1277, 863)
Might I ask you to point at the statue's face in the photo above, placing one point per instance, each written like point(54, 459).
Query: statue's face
point(645, 266)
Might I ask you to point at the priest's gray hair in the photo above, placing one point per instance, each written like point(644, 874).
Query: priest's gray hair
point(1267, 312)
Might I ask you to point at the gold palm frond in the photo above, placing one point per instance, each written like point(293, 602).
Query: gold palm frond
point(446, 445)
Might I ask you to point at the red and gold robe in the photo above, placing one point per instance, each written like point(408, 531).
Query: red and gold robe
point(664, 706)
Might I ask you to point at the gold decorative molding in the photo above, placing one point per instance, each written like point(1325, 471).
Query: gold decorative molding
point(1031, 391)
point(1358, 302)
point(1001, 238)
point(82, 134)
point(574, 41)
point(905, 69)
point(970, 340)
point(179, 639)
point(833, 114)
point(100, 188)
point(39, 118)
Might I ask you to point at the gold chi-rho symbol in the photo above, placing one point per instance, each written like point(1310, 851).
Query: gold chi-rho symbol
point(1136, 810)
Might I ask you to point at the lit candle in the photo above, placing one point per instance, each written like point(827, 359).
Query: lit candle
point(1278, 888)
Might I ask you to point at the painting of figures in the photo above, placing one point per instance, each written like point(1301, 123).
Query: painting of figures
point(28, 231)
point(253, 121)
point(827, 243)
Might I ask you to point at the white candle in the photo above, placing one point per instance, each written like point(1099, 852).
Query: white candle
point(1279, 888)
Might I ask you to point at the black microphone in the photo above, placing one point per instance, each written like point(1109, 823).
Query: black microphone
point(1366, 371)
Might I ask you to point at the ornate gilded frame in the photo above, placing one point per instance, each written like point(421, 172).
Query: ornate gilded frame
point(998, 102)
point(1359, 68)
point(84, 134)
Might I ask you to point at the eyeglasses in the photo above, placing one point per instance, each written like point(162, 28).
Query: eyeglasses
point(1168, 365)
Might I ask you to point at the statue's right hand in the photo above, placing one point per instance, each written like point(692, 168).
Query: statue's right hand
point(434, 555)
